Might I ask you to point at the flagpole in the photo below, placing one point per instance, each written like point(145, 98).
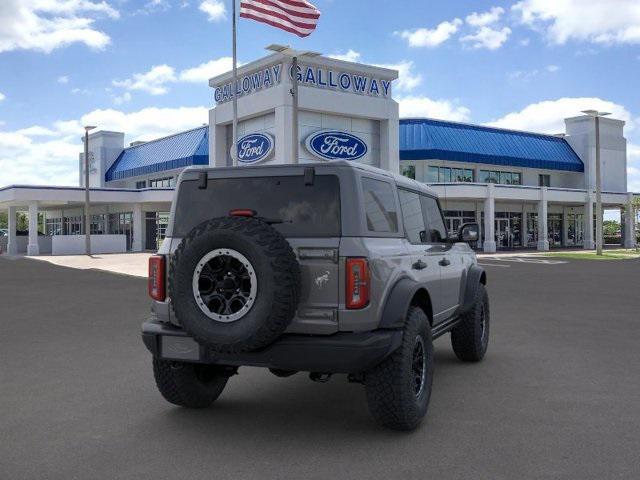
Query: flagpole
point(234, 149)
point(294, 126)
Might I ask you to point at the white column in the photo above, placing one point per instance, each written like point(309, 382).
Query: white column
point(543, 240)
point(138, 232)
point(489, 244)
point(565, 226)
point(12, 245)
point(284, 140)
point(589, 242)
point(33, 248)
point(629, 224)
point(389, 144)
point(479, 207)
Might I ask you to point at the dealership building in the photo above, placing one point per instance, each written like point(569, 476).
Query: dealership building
point(526, 190)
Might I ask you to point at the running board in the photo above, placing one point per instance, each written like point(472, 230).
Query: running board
point(443, 327)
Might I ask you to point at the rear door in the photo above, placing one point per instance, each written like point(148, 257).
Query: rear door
point(425, 257)
point(450, 269)
point(307, 214)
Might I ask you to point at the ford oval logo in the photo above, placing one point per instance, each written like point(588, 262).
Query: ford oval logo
point(255, 147)
point(335, 145)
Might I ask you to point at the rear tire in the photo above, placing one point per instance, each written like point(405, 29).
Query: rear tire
point(188, 385)
point(398, 389)
point(470, 338)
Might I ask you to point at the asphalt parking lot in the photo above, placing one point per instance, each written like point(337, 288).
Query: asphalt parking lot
point(557, 396)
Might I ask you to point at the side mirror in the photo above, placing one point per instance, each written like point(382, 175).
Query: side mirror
point(469, 232)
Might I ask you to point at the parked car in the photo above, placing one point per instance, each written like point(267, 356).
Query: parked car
point(4, 232)
point(324, 268)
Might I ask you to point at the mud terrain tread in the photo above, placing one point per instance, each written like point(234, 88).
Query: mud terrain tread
point(466, 337)
point(390, 402)
point(286, 276)
point(179, 384)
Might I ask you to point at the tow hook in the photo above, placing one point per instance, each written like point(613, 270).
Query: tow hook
point(320, 377)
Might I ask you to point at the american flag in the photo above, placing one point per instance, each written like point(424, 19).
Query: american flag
point(294, 16)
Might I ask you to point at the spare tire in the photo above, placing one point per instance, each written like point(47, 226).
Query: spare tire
point(234, 283)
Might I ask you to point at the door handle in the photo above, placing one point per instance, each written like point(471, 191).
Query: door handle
point(444, 262)
point(419, 265)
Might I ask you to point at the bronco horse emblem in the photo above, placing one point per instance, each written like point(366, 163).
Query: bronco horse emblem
point(322, 279)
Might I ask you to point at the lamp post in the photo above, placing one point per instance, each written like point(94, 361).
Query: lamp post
point(295, 55)
point(596, 114)
point(87, 217)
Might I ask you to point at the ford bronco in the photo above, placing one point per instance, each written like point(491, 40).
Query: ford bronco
point(325, 268)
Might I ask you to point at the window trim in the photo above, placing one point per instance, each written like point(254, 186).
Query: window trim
point(434, 197)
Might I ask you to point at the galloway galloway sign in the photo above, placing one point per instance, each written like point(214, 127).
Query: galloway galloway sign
point(248, 84)
point(336, 145)
point(308, 76)
point(255, 147)
point(348, 82)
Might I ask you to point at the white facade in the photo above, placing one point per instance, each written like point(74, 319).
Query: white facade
point(345, 102)
point(323, 105)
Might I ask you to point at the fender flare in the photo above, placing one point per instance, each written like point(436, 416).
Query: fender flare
point(398, 302)
point(475, 277)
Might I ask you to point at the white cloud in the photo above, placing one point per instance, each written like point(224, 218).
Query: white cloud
point(214, 9)
point(525, 42)
point(2, 96)
point(420, 106)
point(424, 37)
point(487, 37)
point(486, 18)
point(349, 56)
point(45, 25)
point(23, 152)
point(548, 116)
point(203, 72)
point(595, 21)
point(63, 79)
point(154, 81)
point(407, 78)
point(120, 99)
point(527, 75)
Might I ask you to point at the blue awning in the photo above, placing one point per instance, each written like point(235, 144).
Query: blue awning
point(168, 153)
point(426, 139)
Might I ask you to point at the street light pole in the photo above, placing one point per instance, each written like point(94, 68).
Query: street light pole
point(598, 191)
point(87, 217)
point(294, 55)
point(596, 114)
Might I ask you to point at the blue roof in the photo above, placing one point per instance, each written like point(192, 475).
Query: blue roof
point(168, 153)
point(424, 139)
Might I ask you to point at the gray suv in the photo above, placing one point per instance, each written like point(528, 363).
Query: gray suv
point(324, 268)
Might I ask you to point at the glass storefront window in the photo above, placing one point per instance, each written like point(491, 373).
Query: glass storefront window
point(504, 178)
point(432, 174)
point(449, 175)
point(409, 171)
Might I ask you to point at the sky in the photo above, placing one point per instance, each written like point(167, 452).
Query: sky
point(141, 66)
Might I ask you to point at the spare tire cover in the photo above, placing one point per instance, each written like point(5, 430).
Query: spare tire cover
point(234, 283)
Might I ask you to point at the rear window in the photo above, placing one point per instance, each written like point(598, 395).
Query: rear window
point(379, 206)
point(305, 210)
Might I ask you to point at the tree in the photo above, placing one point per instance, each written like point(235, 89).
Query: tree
point(610, 228)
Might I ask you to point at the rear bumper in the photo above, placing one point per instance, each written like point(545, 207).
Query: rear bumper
point(338, 353)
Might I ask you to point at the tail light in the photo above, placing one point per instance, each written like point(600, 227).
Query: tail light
point(157, 277)
point(357, 283)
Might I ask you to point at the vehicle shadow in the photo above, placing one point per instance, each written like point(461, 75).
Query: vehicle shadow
point(256, 402)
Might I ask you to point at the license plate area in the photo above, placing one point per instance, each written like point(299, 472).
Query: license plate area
point(179, 348)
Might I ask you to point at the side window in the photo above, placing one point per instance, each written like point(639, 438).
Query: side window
point(412, 216)
point(380, 206)
point(436, 231)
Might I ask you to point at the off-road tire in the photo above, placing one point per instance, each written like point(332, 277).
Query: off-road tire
point(188, 384)
point(278, 279)
point(469, 338)
point(390, 386)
